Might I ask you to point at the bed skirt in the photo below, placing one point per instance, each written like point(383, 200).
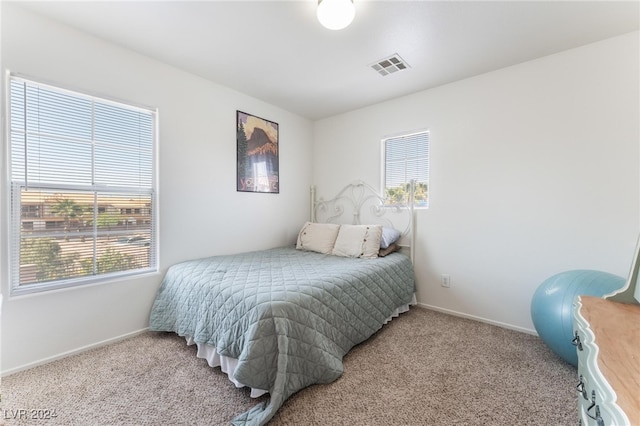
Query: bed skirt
point(228, 364)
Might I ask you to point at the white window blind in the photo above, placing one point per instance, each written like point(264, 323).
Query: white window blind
point(83, 195)
point(406, 158)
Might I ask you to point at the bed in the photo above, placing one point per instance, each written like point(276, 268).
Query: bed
point(282, 319)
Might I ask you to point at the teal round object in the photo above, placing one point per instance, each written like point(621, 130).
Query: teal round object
point(552, 306)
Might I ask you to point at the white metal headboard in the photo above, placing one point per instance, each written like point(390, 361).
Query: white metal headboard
point(359, 203)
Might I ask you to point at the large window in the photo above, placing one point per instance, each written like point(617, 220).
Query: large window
point(82, 187)
point(406, 158)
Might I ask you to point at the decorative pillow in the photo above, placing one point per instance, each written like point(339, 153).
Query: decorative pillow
point(389, 236)
point(358, 241)
point(318, 237)
point(385, 251)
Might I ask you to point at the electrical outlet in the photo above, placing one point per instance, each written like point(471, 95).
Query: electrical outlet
point(445, 280)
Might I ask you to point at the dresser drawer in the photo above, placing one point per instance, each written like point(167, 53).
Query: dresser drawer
point(598, 403)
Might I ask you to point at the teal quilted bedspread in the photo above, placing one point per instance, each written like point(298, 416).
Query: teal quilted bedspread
point(288, 316)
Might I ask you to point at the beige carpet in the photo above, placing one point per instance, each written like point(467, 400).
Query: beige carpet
point(424, 368)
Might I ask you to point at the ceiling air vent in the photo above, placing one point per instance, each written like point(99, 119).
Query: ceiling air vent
point(390, 65)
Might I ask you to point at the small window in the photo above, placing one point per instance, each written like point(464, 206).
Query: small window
point(79, 166)
point(406, 158)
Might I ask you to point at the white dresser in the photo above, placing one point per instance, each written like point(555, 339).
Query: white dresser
point(607, 339)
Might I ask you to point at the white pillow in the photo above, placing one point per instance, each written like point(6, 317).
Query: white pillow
point(389, 236)
point(318, 237)
point(358, 241)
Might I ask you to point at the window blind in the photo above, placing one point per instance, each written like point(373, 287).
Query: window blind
point(82, 173)
point(406, 158)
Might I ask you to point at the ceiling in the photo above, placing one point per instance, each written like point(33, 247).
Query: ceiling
point(278, 52)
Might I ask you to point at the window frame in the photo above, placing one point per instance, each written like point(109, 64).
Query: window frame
point(15, 205)
point(383, 184)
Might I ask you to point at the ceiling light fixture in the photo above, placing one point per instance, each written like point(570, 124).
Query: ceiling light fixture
point(336, 14)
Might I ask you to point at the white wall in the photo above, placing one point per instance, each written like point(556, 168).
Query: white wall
point(200, 211)
point(534, 171)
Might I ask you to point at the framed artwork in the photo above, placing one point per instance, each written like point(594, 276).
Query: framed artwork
point(257, 154)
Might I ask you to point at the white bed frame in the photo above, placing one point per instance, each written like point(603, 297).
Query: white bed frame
point(359, 203)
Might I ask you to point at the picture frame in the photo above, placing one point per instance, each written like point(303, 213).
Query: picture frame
point(257, 148)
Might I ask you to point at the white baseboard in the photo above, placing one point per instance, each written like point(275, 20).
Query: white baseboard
point(11, 371)
point(475, 318)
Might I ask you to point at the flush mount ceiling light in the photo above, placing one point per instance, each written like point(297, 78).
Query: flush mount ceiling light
point(336, 14)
